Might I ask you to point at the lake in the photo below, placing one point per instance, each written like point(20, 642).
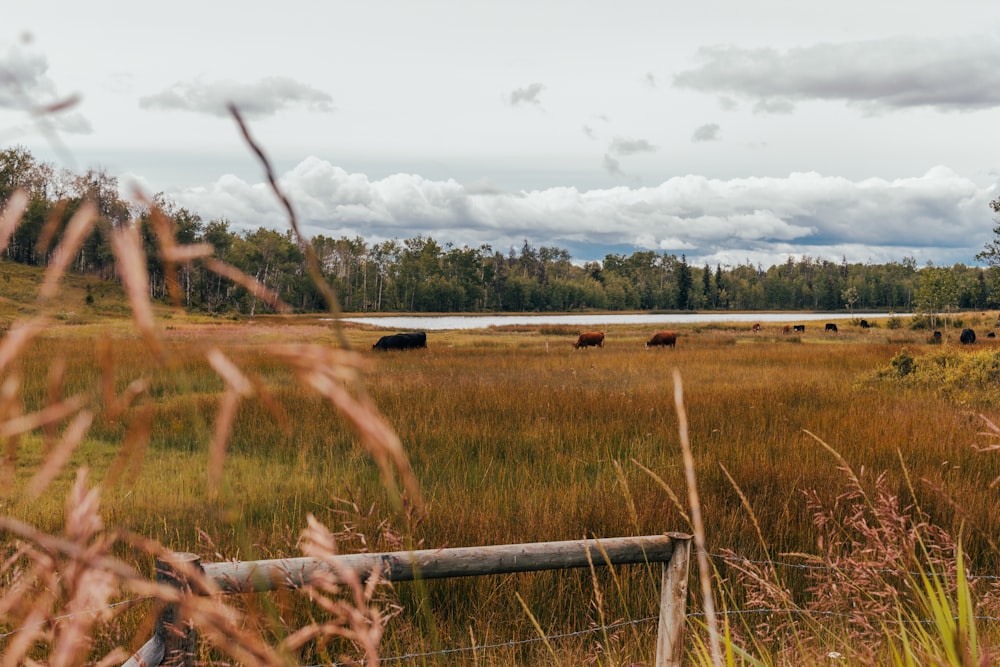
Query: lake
point(442, 322)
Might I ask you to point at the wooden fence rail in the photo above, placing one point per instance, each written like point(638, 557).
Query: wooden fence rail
point(168, 646)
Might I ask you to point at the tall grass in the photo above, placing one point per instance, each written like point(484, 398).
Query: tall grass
point(518, 437)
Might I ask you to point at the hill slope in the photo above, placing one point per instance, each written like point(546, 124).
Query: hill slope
point(79, 299)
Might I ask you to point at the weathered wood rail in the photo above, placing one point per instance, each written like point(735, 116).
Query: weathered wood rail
point(169, 646)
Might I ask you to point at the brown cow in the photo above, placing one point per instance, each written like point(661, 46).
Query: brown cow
point(588, 338)
point(668, 338)
point(786, 329)
point(755, 328)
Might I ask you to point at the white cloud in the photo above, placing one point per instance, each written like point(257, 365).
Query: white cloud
point(938, 214)
point(774, 105)
point(25, 86)
point(529, 95)
point(24, 80)
point(623, 146)
point(707, 132)
point(611, 165)
point(953, 74)
point(265, 97)
point(70, 123)
point(727, 103)
point(674, 244)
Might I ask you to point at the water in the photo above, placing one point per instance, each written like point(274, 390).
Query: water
point(442, 322)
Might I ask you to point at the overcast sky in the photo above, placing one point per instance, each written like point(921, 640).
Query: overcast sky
point(725, 130)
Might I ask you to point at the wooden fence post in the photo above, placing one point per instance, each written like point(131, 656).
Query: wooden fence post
point(178, 635)
point(673, 601)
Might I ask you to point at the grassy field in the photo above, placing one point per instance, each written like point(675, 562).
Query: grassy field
point(515, 436)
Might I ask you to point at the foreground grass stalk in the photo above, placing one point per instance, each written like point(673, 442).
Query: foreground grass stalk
point(704, 569)
point(538, 628)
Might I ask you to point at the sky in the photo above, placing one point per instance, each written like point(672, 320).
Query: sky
point(724, 130)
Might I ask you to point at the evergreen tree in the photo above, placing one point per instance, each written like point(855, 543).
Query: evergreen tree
point(684, 284)
point(706, 286)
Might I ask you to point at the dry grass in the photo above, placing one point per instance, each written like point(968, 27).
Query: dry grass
point(59, 588)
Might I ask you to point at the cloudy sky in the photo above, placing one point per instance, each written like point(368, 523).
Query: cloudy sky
point(726, 130)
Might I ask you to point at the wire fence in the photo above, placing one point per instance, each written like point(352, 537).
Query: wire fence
point(808, 566)
point(607, 627)
point(613, 626)
point(508, 644)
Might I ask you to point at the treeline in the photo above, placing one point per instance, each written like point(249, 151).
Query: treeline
point(421, 275)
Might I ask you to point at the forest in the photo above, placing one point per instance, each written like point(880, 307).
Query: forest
point(422, 274)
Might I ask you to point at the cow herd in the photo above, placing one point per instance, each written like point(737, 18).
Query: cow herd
point(418, 339)
point(967, 337)
point(596, 338)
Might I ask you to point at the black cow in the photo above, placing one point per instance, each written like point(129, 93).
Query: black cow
point(799, 328)
point(864, 324)
point(402, 341)
point(968, 337)
point(991, 335)
point(936, 337)
point(830, 326)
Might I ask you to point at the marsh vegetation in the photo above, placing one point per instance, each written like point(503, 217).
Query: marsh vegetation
point(515, 436)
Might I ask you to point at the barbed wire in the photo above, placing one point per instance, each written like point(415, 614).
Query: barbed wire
point(877, 570)
point(730, 612)
point(485, 647)
point(817, 612)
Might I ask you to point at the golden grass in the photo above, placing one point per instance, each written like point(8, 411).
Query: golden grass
point(513, 437)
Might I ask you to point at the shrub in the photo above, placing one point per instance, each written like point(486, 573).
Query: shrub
point(902, 363)
point(966, 377)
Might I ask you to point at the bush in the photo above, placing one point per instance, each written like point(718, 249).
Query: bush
point(902, 363)
point(966, 377)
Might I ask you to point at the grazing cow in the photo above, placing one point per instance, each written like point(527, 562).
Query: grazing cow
point(968, 337)
point(668, 338)
point(401, 341)
point(799, 328)
point(785, 329)
point(755, 328)
point(864, 324)
point(830, 326)
point(991, 335)
point(936, 337)
point(588, 338)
